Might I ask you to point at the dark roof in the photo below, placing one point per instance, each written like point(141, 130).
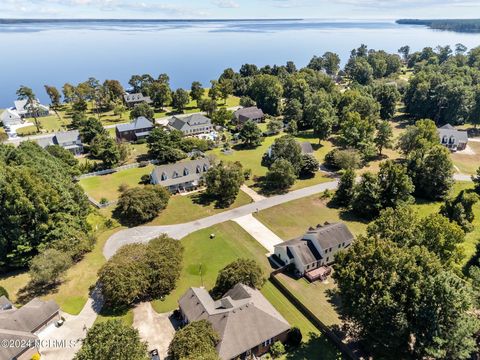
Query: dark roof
point(306, 147)
point(189, 122)
point(326, 236)
point(330, 235)
point(248, 113)
point(29, 317)
point(181, 172)
point(243, 318)
point(139, 123)
point(449, 131)
point(22, 338)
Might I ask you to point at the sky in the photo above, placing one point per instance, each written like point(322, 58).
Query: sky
point(237, 9)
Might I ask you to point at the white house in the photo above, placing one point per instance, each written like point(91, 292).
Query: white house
point(26, 112)
point(315, 249)
point(10, 117)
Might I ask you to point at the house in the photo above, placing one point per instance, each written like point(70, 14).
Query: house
point(134, 99)
point(452, 138)
point(194, 124)
point(11, 117)
point(314, 250)
point(25, 111)
point(306, 147)
point(245, 321)
point(138, 129)
point(21, 326)
point(181, 176)
point(69, 140)
point(250, 113)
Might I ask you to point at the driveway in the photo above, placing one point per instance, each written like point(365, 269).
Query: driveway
point(259, 232)
point(73, 330)
point(156, 329)
point(142, 234)
point(252, 193)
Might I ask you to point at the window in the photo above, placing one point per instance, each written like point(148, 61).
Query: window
point(199, 169)
point(452, 140)
point(327, 258)
point(444, 139)
point(339, 245)
point(175, 174)
point(185, 172)
point(164, 176)
point(268, 342)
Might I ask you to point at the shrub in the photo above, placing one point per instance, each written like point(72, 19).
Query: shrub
point(141, 204)
point(277, 349)
point(103, 201)
point(4, 292)
point(122, 188)
point(141, 271)
point(280, 176)
point(49, 266)
point(197, 340)
point(243, 271)
point(310, 165)
point(112, 340)
point(294, 338)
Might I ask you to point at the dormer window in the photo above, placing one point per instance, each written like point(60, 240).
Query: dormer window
point(444, 139)
point(164, 177)
point(205, 167)
point(199, 169)
point(452, 140)
point(185, 172)
point(175, 174)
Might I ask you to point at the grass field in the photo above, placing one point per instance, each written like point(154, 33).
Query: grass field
point(293, 218)
point(106, 186)
point(466, 163)
point(204, 257)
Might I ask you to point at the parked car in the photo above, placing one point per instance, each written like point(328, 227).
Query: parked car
point(154, 355)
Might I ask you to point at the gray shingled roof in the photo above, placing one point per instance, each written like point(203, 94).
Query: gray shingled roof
point(139, 123)
point(327, 236)
point(243, 318)
point(189, 122)
point(20, 337)
point(179, 168)
point(306, 147)
point(67, 136)
point(5, 304)
point(331, 235)
point(29, 317)
point(245, 114)
point(448, 131)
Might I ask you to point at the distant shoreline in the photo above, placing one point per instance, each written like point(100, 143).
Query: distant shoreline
point(33, 21)
point(457, 25)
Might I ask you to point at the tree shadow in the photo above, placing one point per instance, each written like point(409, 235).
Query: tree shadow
point(318, 346)
point(349, 215)
point(203, 199)
point(32, 290)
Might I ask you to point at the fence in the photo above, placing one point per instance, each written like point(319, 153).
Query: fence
point(346, 351)
point(120, 168)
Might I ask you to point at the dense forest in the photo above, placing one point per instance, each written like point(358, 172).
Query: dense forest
point(459, 25)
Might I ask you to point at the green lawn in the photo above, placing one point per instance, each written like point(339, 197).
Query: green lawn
point(204, 257)
point(184, 209)
point(293, 218)
point(106, 186)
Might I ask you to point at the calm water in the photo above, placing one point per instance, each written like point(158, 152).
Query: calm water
point(35, 54)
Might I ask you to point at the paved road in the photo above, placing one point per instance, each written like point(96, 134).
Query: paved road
point(141, 234)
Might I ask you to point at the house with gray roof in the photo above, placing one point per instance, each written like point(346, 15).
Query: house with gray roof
point(21, 326)
point(244, 319)
point(180, 176)
point(191, 125)
point(69, 140)
point(252, 113)
point(453, 139)
point(314, 249)
point(138, 129)
point(136, 98)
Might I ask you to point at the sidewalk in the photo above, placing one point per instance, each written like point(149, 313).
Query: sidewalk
point(252, 193)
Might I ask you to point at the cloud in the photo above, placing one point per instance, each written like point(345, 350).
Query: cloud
point(228, 4)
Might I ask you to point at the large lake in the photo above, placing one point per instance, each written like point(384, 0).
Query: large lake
point(53, 53)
